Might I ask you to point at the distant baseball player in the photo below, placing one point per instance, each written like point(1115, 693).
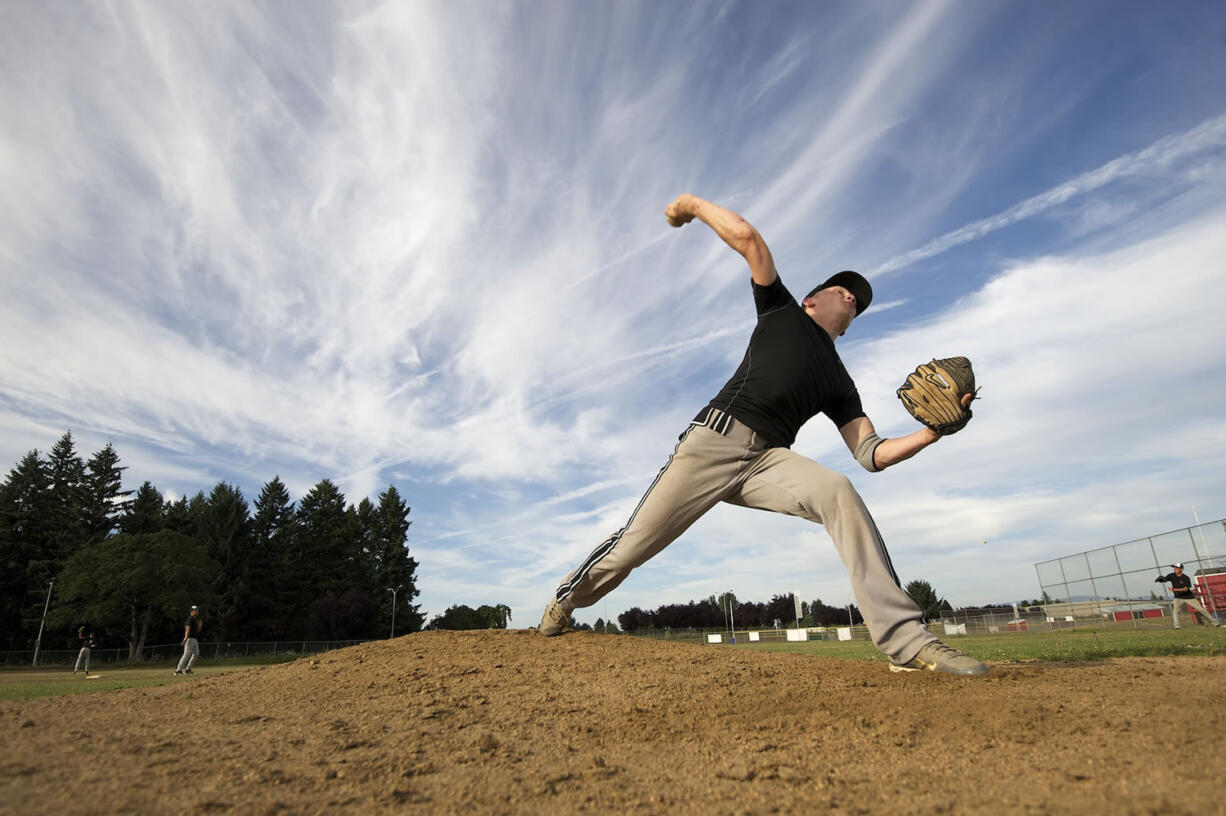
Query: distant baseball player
point(1181, 586)
point(736, 450)
point(88, 643)
point(191, 642)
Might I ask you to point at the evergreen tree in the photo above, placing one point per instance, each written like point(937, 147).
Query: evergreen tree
point(274, 516)
point(288, 571)
point(28, 559)
point(272, 564)
point(394, 568)
point(183, 516)
point(68, 491)
point(225, 533)
point(364, 542)
point(104, 501)
point(606, 627)
point(146, 514)
point(352, 614)
point(327, 539)
point(328, 569)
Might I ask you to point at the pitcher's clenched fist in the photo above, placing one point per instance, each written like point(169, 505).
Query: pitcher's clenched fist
point(681, 211)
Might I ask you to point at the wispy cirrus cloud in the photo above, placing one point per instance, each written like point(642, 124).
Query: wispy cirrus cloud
point(425, 245)
point(1207, 138)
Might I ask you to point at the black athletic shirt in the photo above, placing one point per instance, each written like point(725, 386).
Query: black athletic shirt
point(192, 625)
point(1182, 585)
point(790, 373)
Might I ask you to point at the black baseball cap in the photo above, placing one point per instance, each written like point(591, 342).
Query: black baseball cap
point(853, 282)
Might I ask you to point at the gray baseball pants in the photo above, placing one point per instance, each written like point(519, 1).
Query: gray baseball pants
point(191, 651)
point(1195, 607)
point(82, 657)
point(720, 459)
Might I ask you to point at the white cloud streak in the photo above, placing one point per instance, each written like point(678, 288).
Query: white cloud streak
point(425, 243)
point(1209, 135)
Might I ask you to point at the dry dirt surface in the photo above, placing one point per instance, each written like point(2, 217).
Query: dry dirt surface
point(510, 722)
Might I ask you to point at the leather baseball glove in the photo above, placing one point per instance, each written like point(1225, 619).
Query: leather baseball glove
point(939, 394)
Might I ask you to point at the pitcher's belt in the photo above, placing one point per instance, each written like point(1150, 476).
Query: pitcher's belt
point(719, 421)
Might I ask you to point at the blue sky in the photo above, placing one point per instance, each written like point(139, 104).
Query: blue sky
point(423, 244)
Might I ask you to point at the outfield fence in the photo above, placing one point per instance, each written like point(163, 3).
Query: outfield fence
point(1100, 615)
point(1106, 588)
point(753, 634)
point(1105, 616)
point(1117, 582)
point(173, 651)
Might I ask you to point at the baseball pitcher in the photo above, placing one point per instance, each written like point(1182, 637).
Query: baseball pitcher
point(1181, 587)
point(738, 449)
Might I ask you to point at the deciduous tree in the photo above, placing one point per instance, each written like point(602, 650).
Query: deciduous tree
point(128, 582)
point(925, 598)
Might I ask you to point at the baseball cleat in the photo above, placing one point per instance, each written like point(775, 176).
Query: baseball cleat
point(554, 621)
point(936, 656)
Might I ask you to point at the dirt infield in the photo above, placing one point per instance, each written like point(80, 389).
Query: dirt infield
point(509, 722)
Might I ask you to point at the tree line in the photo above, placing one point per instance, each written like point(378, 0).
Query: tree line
point(713, 613)
point(128, 564)
point(725, 610)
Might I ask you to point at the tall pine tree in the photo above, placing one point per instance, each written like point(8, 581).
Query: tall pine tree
point(68, 490)
point(183, 515)
point(331, 566)
point(146, 514)
point(225, 533)
point(327, 538)
point(28, 559)
point(105, 500)
point(394, 568)
point(272, 565)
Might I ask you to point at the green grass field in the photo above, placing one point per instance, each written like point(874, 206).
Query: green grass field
point(1062, 646)
point(1059, 646)
point(25, 684)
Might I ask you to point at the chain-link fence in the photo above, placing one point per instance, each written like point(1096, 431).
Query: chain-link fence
point(1117, 582)
point(753, 634)
point(169, 652)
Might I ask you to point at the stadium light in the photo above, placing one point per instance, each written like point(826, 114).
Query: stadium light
point(38, 643)
point(731, 618)
point(394, 591)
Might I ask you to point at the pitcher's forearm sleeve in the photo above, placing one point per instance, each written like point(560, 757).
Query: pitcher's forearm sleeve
point(866, 449)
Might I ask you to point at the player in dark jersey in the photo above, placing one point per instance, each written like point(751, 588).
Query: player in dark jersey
point(737, 450)
point(88, 643)
point(1181, 588)
point(191, 641)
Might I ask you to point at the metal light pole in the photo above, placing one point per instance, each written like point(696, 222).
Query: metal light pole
point(1203, 545)
point(394, 591)
point(38, 643)
point(731, 617)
